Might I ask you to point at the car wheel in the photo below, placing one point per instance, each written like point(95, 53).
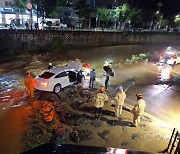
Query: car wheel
point(57, 88)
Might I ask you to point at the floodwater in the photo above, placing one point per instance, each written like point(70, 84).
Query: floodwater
point(162, 99)
point(13, 113)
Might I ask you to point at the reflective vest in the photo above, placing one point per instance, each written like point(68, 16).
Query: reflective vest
point(120, 97)
point(139, 107)
point(100, 98)
point(29, 81)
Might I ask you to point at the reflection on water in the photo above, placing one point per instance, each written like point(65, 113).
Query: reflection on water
point(164, 73)
point(10, 88)
point(12, 113)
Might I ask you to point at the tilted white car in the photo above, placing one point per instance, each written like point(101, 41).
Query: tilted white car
point(174, 59)
point(170, 57)
point(55, 79)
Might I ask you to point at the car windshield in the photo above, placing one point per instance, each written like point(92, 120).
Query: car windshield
point(46, 75)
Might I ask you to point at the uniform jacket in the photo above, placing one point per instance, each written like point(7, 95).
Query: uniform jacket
point(29, 81)
point(120, 97)
point(139, 107)
point(92, 74)
point(99, 99)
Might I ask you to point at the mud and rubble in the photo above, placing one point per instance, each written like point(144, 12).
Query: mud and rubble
point(70, 120)
point(51, 118)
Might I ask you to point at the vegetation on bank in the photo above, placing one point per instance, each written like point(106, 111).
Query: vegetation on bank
point(135, 58)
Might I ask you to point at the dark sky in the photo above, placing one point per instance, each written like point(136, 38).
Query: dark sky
point(169, 7)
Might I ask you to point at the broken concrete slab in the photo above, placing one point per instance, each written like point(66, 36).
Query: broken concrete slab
point(105, 134)
point(135, 136)
point(80, 135)
point(96, 123)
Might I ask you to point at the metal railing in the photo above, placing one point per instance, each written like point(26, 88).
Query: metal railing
point(174, 143)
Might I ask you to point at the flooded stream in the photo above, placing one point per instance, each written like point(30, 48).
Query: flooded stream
point(14, 110)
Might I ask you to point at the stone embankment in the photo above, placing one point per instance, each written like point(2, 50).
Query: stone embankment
point(31, 40)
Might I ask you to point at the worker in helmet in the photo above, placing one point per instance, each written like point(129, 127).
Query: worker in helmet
point(29, 84)
point(138, 109)
point(50, 66)
point(99, 100)
point(120, 97)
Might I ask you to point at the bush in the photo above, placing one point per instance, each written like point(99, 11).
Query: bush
point(135, 58)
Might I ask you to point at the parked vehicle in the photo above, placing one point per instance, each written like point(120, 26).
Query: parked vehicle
point(169, 57)
point(55, 79)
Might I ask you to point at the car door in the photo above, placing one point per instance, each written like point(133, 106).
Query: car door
point(178, 58)
point(62, 78)
point(72, 76)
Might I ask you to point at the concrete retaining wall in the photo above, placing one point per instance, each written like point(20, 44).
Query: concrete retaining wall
point(22, 39)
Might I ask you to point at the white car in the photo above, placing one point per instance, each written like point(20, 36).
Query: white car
point(55, 79)
point(175, 59)
point(170, 57)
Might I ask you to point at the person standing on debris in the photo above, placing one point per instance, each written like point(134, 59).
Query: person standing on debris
point(92, 78)
point(138, 109)
point(29, 84)
point(120, 97)
point(50, 66)
point(108, 72)
point(107, 76)
point(80, 77)
point(99, 100)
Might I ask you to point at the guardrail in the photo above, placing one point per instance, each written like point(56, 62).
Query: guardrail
point(174, 143)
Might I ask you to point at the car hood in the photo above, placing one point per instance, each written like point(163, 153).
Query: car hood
point(77, 65)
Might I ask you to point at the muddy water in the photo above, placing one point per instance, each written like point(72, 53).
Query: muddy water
point(13, 110)
point(13, 113)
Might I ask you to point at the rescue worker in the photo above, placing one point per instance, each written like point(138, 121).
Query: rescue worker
point(138, 109)
point(99, 100)
point(80, 77)
point(29, 84)
point(50, 66)
point(120, 97)
point(107, 76)
point(92, 78)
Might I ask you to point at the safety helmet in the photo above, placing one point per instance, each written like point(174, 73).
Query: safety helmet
point(102, 89)
point(27, 72)
point(120, 89)
point(50, 64)
point(139, 95)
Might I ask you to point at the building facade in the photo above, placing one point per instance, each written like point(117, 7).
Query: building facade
point(6, 3)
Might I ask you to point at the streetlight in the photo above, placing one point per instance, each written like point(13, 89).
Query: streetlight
point(177, 16)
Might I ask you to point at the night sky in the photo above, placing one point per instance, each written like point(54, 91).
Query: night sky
point(169, 7)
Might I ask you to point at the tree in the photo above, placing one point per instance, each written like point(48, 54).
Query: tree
point(122, 15)
point(55, 13)
point(104, 15)
point(136, 18)
point(177, 20)
point(48, 7)
point(82, 9)
point(163, 22)
point(20, 4)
